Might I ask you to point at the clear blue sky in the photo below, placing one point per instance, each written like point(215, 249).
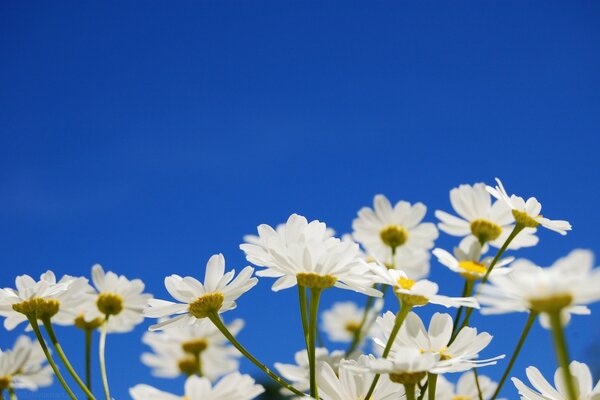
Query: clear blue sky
point(147, 136)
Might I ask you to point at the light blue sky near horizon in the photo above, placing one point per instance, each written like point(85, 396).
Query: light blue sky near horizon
point(147, 136)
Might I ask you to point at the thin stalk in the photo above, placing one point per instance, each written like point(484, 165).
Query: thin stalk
point(88, 359)
point(410, 392)
point(216, 320)
point(467, 291)
point(11, 394)
point(1, 394)
point(562, 353)
point(532, 316)
point(479, 394)
point(432, 381)
point(198, 358)
point(102, 348)
point(304, 315)
point(400, 317)
point(38, 334)
point(315, 295)
point(61, 354)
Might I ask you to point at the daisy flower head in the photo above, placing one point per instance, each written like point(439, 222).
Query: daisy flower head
point(467, 261)
point(407, 365)
point(543, 390)
point(343, 322)
point(118, 300)
point(421, 292)
point(452, 356)
point(305, 254)
point(197, 300)
point(465, 388)
point(192, 349)
point(32, 371)
point(43, 299)
point(396, 234)
point(352, 381)
point(527, 213)
point(566, 287)
point(231, 387)
point(481, 219)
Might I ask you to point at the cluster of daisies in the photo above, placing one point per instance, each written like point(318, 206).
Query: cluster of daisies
point(386, 355)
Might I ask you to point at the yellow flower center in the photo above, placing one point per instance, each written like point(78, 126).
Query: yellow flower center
point(352, 327)
point(551, 304)
point(4, 382)
point(195, 346)
point(406, 283)
point(485, 231)
point(208, 304)
point(110, 303)
point(187, 365)
point(393, 235)
point(40, 308)
point(412, 299)
point(459, 397)
point(472, 269)
point(81, 323)
point(444, 355)
point(312, 280)
point(407, 378)
point(524, 219)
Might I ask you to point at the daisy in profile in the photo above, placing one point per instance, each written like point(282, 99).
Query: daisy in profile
point(197, 300)
point(352, 380)
point(231, 387)
point(467, 261)
point(451, 356)
point(298, 374)
point(303, 253)
point(527, 213)
point(481, 219)
point(193, 349)
point(543, 390)
point(419, 293)
point(465, 388)
point(567, 286)
point(24, 366)
point(343, 322)
point(396, 235)
point(117, 298)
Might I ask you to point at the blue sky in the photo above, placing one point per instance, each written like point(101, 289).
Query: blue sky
point(147, 136)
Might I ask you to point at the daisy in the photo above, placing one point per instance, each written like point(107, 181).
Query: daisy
point(231, 387)
point(192, 349)
point(478, 217)
point(23, 366)
point(39, 299)
point(198, 300)
point(468, 262)
point(566, 286)
point(256, 240)
point(343, 322)
point(465, 388)
point(407, 365)
point(543, 390)
point(303, 253)
point(527, 213)
point(350, 382)
point(419, 293)
point(119, 299)
point(396, 235)
point(298, 374)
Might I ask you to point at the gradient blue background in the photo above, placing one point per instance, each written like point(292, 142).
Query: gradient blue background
point(147, 136)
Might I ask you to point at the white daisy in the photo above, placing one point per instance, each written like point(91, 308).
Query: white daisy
point(568, 285)
point(304, 253)
point(543, 390)
point(175, 350)
point(342, 322)
point(396, 235)
point(480, 218)
point(468, 262)
point(419, 293)
point(231, 387)
point(465, 388)
point(118, 298)
point(298, 374)
point(349, 382)
point(24, 366)
point(456, 356)
point(41, 299)
point(407, 365)
point(527, 213)
point(198, 300)
point(256, 240)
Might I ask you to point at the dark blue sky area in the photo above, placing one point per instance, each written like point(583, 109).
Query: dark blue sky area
point(147, 136)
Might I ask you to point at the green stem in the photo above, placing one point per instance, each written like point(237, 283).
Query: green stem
point(532, 316)
point(400, 317)
point(1, 394)
point(303, 312)
point(88, 359)
point(562, 353)
point(216, 320)
point(11, 394)
point(467, 291)
point(198, 358)
point(315, 295)
point(432, 381)
point(36, 329)
point(479, 393)
point(410, 391)
point(102, 348)
point(61, 354)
